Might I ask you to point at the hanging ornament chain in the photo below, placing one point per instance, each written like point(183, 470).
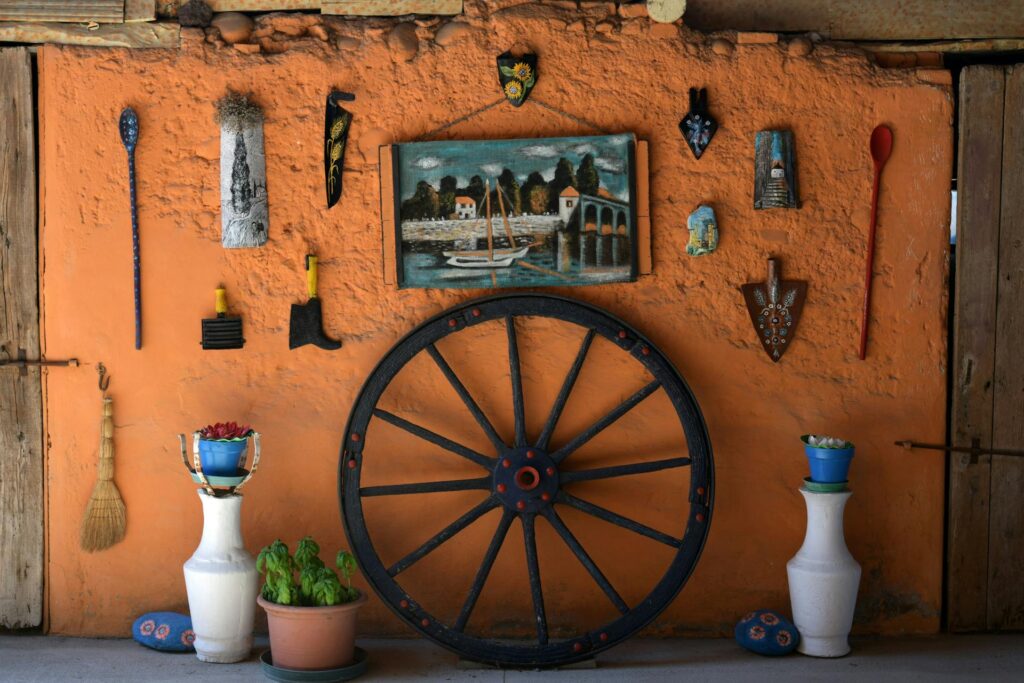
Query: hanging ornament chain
point(454, 122)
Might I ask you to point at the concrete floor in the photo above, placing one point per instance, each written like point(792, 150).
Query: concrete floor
point(27, 659)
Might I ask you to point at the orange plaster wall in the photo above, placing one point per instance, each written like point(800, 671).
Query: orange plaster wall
point(635, 80)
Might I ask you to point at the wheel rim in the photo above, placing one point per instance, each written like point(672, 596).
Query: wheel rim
point(526, 480)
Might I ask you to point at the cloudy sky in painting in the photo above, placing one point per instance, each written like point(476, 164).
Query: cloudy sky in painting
point(431, 161)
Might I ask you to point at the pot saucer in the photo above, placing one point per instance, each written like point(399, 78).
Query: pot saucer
point(219, 481)
point(346, 673)
point(825, 486)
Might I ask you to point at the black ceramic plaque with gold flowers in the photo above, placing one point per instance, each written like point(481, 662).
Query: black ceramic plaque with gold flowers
point(517, 76)
point(336, 124)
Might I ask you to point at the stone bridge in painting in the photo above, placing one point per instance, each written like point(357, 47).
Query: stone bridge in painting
point(600, 211)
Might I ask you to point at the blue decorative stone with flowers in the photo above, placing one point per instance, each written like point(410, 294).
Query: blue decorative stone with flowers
point(767, 633)
point(167, 631)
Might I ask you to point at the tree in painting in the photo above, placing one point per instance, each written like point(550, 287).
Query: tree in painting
point(425, 203)
point(534, 194)
point(565, 177)
point(241, 190)
point(587, 178)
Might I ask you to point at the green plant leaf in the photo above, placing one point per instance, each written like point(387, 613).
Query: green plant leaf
point(529, 83)
point(346, 562)
point(327, 589)
point(307, 550)
point(507, 71)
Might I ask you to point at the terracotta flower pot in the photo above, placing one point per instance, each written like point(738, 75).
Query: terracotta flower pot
point(312, 638)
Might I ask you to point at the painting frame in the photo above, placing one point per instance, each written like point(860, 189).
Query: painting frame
point(629, 223)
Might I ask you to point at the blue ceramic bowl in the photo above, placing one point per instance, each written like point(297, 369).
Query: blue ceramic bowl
point(828, 465)
point(222, 458)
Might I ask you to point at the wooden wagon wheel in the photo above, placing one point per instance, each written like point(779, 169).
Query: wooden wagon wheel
point(526, 479)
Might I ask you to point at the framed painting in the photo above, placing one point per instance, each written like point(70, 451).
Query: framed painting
point(515, 213)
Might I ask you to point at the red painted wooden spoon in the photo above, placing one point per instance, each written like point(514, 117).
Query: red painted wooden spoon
point(881, 148)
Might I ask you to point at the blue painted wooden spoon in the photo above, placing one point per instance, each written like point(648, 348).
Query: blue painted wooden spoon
point(129, 127)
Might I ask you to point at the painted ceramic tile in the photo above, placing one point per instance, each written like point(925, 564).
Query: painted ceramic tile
point(515, 213)
point(243, 174)
point(517, 76)
point(703, 231)
point(337, 122)
point(775, 171)
point(775, 306)
point(698, 126)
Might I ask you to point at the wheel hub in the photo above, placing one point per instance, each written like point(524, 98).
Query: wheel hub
point(526, 480)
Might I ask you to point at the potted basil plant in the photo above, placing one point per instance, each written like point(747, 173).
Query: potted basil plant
point(222, 448)
point(311, 612)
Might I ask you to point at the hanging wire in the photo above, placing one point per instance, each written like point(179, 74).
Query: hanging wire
point(454, 122)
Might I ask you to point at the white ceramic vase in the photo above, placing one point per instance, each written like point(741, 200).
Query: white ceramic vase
point(221, 580)
point(823, 579)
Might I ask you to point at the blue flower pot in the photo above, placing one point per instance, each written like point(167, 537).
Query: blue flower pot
point(828, 465)
point(222, 458)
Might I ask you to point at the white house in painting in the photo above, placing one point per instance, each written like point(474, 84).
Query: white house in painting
point(567, 201)
point(465, 207)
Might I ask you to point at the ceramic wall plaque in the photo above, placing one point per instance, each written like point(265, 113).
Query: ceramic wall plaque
point(775, 307)
point(337, 121)
point(703, 229)
point(698, 126)
point(514, 213)
point(517, 76)
point(775, 171)
point(243, 173)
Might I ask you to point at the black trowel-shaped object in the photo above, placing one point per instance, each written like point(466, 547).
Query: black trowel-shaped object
point(307, 325)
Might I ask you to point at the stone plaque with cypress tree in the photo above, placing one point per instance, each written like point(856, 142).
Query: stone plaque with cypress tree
point(243, 173)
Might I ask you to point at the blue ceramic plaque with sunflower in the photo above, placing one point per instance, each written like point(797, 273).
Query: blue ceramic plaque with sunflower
point(517, 76)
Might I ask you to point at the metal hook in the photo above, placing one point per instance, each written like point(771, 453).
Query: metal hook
point(102, 371)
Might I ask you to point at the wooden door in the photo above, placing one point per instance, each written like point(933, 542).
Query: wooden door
point(986, 497)
point(21, 440)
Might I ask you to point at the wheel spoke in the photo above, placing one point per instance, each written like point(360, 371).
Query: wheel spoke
point(533, 569)
point(596, 428)
point(585, 559)
point(426, 487)
point(563, 395)
point(436, 439)
point(515, 372)
point(617, 519)
point(622, 470)
point(485, 569)
point(443, 535)
point(463, 393)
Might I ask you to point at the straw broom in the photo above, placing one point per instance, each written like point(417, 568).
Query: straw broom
point(104, 521)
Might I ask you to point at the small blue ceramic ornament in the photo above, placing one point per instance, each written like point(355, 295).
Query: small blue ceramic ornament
point(767, 633)
point(166, 631)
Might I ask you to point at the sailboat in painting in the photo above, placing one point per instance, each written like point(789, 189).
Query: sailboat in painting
point(490, 257)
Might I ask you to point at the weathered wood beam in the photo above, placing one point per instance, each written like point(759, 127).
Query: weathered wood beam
point(136, 35)
point(261, 5)
point(366, 8)
point(21, 416)
point(139, 10)
point(101, 11)
point(985, 45)
point(387, 8)
point(864, 19)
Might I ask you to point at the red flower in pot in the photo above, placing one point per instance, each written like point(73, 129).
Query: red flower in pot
point(222, 448)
